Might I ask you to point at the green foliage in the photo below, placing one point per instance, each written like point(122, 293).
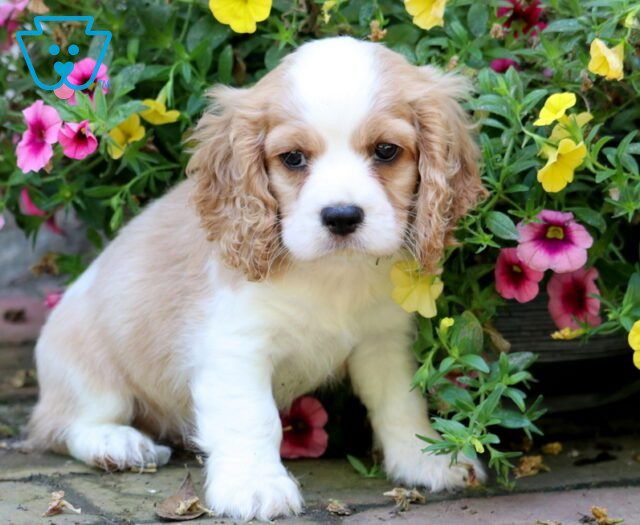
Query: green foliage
point(179, 50)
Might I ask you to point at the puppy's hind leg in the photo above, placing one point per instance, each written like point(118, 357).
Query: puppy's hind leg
point(87, 412)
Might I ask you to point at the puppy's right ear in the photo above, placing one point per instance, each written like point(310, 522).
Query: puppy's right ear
point(231, 194)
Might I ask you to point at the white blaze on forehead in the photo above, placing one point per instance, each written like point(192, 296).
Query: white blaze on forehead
point(334, 83)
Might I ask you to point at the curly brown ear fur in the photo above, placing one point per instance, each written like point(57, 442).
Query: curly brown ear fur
point(449, 183)
point(232, 195)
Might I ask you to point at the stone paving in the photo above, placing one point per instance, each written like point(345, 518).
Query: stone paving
point(586, 473)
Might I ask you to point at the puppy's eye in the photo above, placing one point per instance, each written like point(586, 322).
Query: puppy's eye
point(385, 152)
point(294, 160)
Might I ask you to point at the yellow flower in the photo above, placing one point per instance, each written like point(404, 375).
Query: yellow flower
point(327, 6)
point(636, 359)
point(157, 113)
point(634, 337)
point(446, 323)
point(566, 334)
point(125, 133)
point(555, 107)
point(241, 15)
point(426, 13)
point(414, 290)
point(561, 130)
point(606, 62)
point(558, 172)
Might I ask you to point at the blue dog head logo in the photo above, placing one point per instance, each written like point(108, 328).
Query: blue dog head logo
point(63, 68)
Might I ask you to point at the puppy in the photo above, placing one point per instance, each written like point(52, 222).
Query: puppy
point(265, 275)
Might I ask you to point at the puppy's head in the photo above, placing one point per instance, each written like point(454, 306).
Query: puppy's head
point(345, 147)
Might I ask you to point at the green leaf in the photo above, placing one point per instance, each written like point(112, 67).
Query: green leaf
point(225, 65)
point(567, 25)
point(591, 217)
point(478, 18)
point(632, 295)
point(101, 192)
point(501, 226)
point(475, 361)
point(466, 334)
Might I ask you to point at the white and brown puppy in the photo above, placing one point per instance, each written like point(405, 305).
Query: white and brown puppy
point(265, 275)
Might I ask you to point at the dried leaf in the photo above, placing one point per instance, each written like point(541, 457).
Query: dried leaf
point(601, 516)
point(404, 497)
point(552, 449)
point(58, 505)
point(339, 508)
point(529, 466)
point(47, 265)
point(38, 7)
point(183, 505)
point(376, 32)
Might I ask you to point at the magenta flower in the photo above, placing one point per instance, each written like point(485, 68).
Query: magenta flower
point(76, 140)
point(303, 435)
point(570, 301)
point(29, 208)
point(523, 14)
point(35, 147)
point(82, 73)
point(515, 280)
point(556, 243)
point(501, 65)
point(52, 299)
point(9, 12)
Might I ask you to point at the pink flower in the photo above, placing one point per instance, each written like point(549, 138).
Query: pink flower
point(81, 73)
point(557, 243)
point(523, 14)
point(29, 208)
point(34, 149)
point(76, 140)
point(2, 221)
point(9, 12)
point(52, 299)
point(303, 435)
point(569, 299)
point(501, 65)
point(515, 280)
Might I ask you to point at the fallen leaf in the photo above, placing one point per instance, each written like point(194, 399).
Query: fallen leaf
point(38, 7)
point(339, 508)
point(552, 449)
point(601, 516)
point(58, 505)
point(404, 497)
point(529, 466)
point(547, 522)
point(184, 504)
point(149, 468)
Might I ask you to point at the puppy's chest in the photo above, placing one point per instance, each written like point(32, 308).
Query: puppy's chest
point(316, 327)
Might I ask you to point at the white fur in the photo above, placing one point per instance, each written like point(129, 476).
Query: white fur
point(159, 321)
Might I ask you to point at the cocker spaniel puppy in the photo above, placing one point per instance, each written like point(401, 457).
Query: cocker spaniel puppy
point(266, 274)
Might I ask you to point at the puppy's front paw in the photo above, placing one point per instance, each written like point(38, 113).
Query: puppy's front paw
point(247, 493)
point(434, 472)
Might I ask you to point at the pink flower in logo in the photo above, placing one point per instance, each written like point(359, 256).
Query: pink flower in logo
point(555, 243)
point(303, 435)
point(76, 140)
point(570, 298)
point(35, 147)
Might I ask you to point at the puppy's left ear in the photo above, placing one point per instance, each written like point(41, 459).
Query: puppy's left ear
point(449, 184)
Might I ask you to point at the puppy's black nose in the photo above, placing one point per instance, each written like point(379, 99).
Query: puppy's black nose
point(342, 220)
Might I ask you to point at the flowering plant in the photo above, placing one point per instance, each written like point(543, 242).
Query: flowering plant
point(557, 110)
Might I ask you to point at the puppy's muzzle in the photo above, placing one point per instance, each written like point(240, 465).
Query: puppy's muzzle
point(342, 220)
